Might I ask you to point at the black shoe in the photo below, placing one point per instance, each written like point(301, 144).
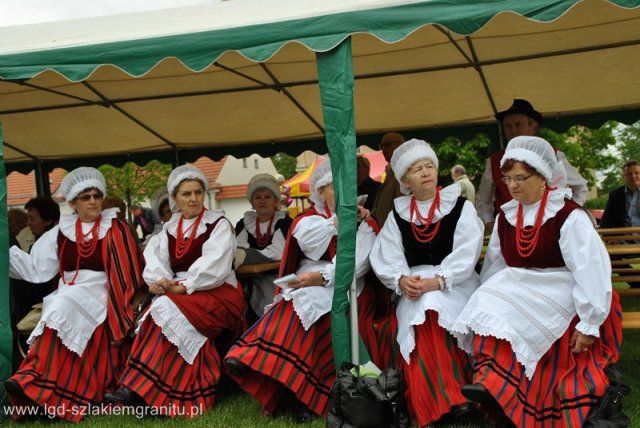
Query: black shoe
point(235, 367)
point(120, 396)
point(477, 392)
point(462, 412)
point(303, 415)
point(13, 388)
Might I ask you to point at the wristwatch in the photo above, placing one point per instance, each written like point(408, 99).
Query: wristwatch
point(442, 283)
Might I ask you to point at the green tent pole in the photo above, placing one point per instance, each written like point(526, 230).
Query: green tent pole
point(335, 76)
point(6, 349)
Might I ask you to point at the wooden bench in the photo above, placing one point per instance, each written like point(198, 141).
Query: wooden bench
point(631, 320)
point(250, 270)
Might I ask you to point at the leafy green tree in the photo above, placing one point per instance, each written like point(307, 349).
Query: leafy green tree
point(133, 183)
point(471, 154)
point(285, 164)
point(629, 147)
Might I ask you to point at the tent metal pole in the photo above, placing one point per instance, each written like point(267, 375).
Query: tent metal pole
point(353, 314)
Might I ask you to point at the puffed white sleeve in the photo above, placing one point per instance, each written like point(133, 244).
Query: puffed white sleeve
point(387, 255)
point(586, 257)
point(212, 268)
point(156, 256)
point(458, 265)
point(41, 264)
point(275, 249)
point(493, 259)
point(486, 195)
point(314, 234)
point(575, 181)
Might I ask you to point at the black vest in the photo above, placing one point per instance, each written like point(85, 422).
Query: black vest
point(282, 225)
point(431, 253)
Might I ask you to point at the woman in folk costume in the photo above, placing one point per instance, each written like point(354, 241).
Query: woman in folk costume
point(287, 355)
point(261, 236)
point(538, 326)
point(80, 346)
point(427, 252)
point(197, 311)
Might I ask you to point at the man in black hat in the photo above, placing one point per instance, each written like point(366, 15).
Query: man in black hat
point(521, 119)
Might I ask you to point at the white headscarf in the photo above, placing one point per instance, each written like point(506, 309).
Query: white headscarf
point(321, 177)
point(539, 155)
point(406, 155)
point(81, 179)
point(178, 175)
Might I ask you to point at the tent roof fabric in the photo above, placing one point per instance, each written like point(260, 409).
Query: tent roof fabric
point(240, 77)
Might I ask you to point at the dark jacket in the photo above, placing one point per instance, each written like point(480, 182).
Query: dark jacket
point(615, 214)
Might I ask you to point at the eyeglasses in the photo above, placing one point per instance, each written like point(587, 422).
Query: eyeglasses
point(85, 198)
point(518, 179)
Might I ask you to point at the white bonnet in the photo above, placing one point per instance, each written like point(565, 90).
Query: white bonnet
point(181, 173)
point(81, 179)
point(321, 177)
point(263, 181)
point(539, 155)
point(405, 156)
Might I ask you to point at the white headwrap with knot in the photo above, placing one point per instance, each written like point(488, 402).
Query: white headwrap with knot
point(178, 175)
point(539, 155)
point(81, 179)
point(321, 177)
point(405, 156)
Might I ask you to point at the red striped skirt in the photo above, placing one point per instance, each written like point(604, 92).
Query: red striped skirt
point(561, 391)
point(65, 384)
point(436, 371)
point(282, 355)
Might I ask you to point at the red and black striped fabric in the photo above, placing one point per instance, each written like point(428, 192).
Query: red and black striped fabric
point(158, 374)
point(436, 371)
point(283, 356)
point(64, 383)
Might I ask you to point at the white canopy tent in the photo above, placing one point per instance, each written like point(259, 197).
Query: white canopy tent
point(245, 76)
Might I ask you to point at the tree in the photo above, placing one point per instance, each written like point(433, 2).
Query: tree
point(285, 164)
point(133, 183)
point(471, 154)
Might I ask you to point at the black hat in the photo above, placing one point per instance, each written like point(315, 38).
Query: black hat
point(520, 107)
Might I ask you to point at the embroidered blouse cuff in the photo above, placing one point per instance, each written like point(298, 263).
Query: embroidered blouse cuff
point(447, 280)
point(327, 278)
point(588, 329)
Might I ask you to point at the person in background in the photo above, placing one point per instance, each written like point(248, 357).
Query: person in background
point(366, 185)
point(623, 205)
point(390, 189)
point(142, 217)
point(261, 235)
point(286, 357)
point(544, 323)
point(161, 211)
point(427, 252)
point(198, 310)
point(521, 119)
point(81, 342)
point(116, 202)
point(17, 221)
point(459, 175)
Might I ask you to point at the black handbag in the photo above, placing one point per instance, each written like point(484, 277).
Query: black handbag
point(366, 402)
point(608, 412)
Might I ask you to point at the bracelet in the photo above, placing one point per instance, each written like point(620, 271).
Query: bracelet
point(442, 283)
point(325, 278)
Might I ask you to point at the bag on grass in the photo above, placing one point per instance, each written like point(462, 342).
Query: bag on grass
point(608, 412)
point(30, 321)
point(367, 402)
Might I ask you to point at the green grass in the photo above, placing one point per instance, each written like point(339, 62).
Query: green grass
point(235, 409)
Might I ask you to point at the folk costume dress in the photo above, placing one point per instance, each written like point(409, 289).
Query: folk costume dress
point(435, 368)
point(266, 241)
point(290, 347)
point(175, 360)
point(79, 347)
point(519, 323)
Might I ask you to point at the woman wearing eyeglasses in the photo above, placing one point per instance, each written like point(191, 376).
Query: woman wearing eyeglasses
point(538, 326)
point(426, 252)
point(80, 345)
point(198, 309)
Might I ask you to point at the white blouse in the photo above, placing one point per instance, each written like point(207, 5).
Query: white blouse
point(273, 250)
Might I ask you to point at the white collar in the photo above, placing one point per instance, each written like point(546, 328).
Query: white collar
point(555, 202)
point(448, 198)
point(68, 224)
point(209, 216)
point(251, 216)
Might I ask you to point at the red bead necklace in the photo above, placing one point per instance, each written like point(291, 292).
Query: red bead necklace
point(85, 248)
point(264, 240)
point(183, 245)
point(420, 232)
point(527, 238)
